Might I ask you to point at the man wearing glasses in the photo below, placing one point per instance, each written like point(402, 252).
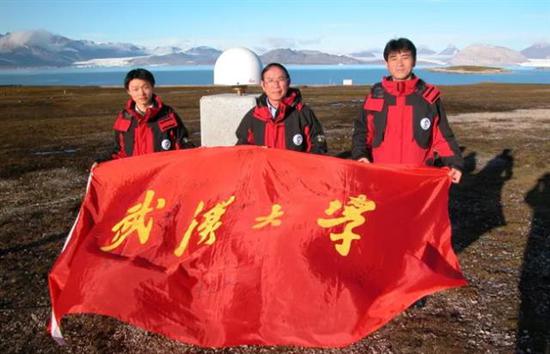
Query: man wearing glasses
point(280, 119)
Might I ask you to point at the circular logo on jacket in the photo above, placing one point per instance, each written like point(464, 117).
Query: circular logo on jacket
point(298, 139)
point(166, 144)
point(425, 123)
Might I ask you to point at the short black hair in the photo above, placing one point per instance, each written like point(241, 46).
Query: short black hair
point(400, 45)
point(275, 65)
point(139, 73)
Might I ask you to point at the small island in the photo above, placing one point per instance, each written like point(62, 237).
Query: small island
point(469, 69)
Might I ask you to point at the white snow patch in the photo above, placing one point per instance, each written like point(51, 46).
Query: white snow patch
point(539, 63)
point(105, 62)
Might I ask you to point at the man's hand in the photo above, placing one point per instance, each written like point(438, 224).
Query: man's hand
point(455, 175)
point(364, 160)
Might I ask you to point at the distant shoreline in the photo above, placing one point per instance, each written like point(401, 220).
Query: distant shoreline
point(252, 89)
point(326, 76)
point(469, 69)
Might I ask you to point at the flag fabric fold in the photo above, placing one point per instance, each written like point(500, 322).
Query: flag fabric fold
point(245, 245)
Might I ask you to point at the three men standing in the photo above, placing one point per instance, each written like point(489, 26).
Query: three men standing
point(402, 120)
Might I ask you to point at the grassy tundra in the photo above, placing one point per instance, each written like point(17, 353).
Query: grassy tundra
point(500, 215)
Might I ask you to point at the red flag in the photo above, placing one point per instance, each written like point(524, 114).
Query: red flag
point(246, 245)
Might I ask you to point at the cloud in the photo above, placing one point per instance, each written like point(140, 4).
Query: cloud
point(279, 42)
point(38, 38)
point(311, 41)
point(282, 42)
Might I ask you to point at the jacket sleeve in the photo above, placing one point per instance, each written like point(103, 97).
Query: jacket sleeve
point(117, 152)
point(182, 135)
point(314, 133)
point(118, 147)
point(443, 141)
point(359, 148)
point(244, 130)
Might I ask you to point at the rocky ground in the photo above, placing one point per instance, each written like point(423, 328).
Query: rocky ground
point(500, 215)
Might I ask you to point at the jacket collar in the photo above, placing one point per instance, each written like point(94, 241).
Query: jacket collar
point(292, 100)
point(400, 88)
point(151, 112)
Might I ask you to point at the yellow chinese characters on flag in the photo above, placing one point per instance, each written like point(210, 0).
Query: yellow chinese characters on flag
point(211, 222)
point(227, 246)
point(136, 220)
point(272, 219)
point(351, 216)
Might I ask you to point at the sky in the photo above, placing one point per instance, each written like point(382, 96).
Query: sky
point(338, 26)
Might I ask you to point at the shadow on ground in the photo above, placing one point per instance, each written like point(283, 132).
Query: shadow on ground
point(476, 203)
point(533, 334)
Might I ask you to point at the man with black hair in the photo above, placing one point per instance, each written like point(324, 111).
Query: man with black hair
point(146, 124)
point(280, 119)
point(403, 121)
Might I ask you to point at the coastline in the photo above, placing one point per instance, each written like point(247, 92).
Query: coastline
point(329, 77)
point(469, 70)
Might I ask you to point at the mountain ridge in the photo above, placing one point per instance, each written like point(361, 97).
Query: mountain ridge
point(40, 48)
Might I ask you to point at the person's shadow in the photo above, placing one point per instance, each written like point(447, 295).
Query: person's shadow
point(534, 314)
point(475, 204)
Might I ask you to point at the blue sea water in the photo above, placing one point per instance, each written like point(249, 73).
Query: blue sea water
point(301, 75)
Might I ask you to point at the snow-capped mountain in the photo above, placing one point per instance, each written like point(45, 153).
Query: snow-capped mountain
point(537, 51)
point(450, 51)
point(42, 48)
point(205, 52)
point(484, 54)
point(164, 50)
point(194, 56)
point(290, 56)
point(176, 56)
point(424, 51)
point(364, 54)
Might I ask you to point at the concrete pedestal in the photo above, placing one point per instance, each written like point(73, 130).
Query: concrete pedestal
point(220, 116)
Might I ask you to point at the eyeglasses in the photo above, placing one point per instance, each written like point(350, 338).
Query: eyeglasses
point(273, 81)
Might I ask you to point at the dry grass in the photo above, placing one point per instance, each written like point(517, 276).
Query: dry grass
point(51, 136)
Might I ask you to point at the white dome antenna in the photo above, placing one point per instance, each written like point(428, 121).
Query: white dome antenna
point(238, 67)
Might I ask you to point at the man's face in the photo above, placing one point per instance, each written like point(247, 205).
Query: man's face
point(400, 65)
point(141, 92)
point(275, 84)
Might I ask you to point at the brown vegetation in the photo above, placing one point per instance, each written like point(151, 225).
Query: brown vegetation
point(500, 215)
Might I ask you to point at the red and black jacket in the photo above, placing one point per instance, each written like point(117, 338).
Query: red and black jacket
point(294, 127)
point(160, 129)
point(403, 122)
